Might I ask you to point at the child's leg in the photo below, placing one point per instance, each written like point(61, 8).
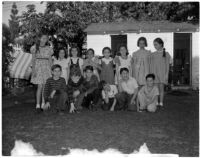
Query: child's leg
point(43, 101)
point(161, 89)
point(38, 95)
point(79, 101)
point(121, 100)
point(141, 101)
point(62, 98)
point(152, 107)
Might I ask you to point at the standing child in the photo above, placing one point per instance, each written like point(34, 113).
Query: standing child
point(122, 61)
point(108, 95)
point(92, 61)
point(107, 64)
point(41, 67)
point(74, 61)
point(148, 95)
point(62, 61)
point(141, 59)
point(55, 90)
point(75, 90)
point(159, 65)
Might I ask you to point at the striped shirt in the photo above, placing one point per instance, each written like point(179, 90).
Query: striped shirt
point(52, 84)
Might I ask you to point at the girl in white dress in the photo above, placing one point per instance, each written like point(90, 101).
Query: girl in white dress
point(122, 61)
point(141, 61)
point(63, 62)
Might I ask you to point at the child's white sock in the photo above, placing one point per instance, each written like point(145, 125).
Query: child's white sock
point(161, 104)
point(37, 106)
point(42, 106)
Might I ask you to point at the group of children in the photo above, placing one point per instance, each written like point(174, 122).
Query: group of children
point(121, 83)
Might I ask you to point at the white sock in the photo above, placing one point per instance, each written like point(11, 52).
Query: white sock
point(37, 106)
point(161, 104)
point(42, 106)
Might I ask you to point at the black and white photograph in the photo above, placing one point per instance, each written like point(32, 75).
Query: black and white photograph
point(100, 78)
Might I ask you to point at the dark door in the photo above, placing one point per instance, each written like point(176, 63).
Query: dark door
point(182, 59)
point(116, 42)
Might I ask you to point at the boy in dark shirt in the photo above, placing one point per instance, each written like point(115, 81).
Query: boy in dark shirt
point(55, 90)
point(92, 92)
point(75, 90)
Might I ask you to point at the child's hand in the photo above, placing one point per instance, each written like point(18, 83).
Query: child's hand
point(72, 108)
point(76, 93)
point(46, 106)
point(133, 101)
point(52, 94)
point(85, 94)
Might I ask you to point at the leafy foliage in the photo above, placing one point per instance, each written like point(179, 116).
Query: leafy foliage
point(14, 23)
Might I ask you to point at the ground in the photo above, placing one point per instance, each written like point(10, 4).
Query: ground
point(173, 129)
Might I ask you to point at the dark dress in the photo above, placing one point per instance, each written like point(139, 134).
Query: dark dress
point(107, 72)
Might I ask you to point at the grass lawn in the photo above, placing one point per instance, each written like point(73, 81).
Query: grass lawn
point(174, 129)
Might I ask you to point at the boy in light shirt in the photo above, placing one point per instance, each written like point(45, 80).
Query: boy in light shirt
point(128, 89)
point(148, 95)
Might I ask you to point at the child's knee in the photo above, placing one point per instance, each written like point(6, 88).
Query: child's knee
point(151, 108)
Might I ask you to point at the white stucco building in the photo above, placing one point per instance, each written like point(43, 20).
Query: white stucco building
point(181, 40)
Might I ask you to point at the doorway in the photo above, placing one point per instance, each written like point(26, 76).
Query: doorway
point(116, 42)
point(182, 59)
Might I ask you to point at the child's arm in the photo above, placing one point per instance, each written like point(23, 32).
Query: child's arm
point(33, 51)
point(134, 96)
point(113, 105)
point(50, 57)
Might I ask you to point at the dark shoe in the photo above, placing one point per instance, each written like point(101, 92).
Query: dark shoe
point(38, 110)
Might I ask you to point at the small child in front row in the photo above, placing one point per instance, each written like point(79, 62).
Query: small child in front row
point(108, 96)
point(148, 95)
point(55, 90)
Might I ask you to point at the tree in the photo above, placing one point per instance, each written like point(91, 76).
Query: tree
point(6, 57)
point(14, 23)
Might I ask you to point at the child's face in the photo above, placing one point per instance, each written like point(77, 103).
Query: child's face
point(157, 45)
point(61, 54)
point(88, 73)
point(43, 40)
point(106, 53)
point(56, 72)
point(90, 54)
point(106, 87)
point(125, 75)
point(150, 82)
point(142, 44)
point(74, 52)
point(75, 78)
point(123, 51)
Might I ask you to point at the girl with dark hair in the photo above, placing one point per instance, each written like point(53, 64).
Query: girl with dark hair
point(141, 60)
point(122, 61)
point(74, 60)
point(107, 64)
point(41, 67)
point(159, 65)
point(62, 61)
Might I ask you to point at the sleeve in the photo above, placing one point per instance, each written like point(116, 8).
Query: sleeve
point(47, 90)
point(80, 62)
point(115, 90)
point(51, 51)
point(70, 92)
point(136, 84)
point(103, 94)
point(156, 91)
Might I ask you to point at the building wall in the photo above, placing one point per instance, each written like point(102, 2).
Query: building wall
point(195, 60)
point(166, 37)
point(98, 42)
